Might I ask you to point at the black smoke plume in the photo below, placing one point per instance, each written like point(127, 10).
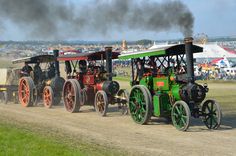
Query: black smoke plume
point(53, 19)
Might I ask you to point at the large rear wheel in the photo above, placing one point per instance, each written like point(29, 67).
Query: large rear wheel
point(211, 114)
point(26, 91)
point(72, 95)
point(101, 103)
point(180, 115)
point(140, 104)
point(48, 96)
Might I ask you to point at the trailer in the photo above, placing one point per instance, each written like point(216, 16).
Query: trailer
point(9, 84)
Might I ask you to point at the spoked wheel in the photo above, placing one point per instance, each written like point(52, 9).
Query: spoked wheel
point(72, 95)
point(26, 91)
point(123, 103)
point(5, 97)
point(211, 114)
point(84, 97)
point(140, 104)
point(101, 103)
point(180, 115)
point(48, 97)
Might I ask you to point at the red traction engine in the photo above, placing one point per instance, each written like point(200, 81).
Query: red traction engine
point(89, 82)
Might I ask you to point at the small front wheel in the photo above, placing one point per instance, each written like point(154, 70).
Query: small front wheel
point(211, 113)
point(180, 115)
point(123, 104)
point(5, 97)
point(48, 97)
point(101, 103)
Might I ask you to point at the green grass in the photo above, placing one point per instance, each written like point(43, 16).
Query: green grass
point(16, 140)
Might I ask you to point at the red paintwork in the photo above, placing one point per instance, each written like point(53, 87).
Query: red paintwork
point(88, 79)
point(160, 84)
point(99, 86)
point(72, 58)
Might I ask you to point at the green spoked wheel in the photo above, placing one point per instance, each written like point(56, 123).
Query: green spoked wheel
point(140, 104)
point(211, 114)
point(180, 115)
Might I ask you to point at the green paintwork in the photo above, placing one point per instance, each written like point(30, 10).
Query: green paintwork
point(156, 104)
point(175, 91)
point(161, 103)
point(147, 81)
point(142, 54)
point(165, 80)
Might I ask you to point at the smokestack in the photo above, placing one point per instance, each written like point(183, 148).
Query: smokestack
point(56, 63)
point(189, 58)
point(108, 51)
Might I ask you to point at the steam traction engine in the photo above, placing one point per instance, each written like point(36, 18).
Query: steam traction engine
point(166, 87)
point(89, 81)
point(45, 84)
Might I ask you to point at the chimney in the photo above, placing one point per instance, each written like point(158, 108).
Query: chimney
point(189, 58)
point(108, 51)
point(56, 63)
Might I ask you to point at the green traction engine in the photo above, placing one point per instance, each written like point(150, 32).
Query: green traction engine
point(163, 85)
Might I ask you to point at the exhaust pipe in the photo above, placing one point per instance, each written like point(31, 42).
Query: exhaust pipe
point(108, 51)
point(56, 63)
point(189, 59)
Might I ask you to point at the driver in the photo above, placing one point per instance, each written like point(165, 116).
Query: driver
point(25, 71)
point(37, 73)
point(139, 70)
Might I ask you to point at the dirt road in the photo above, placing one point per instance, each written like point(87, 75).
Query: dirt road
point(157, 138)
point(121, 132)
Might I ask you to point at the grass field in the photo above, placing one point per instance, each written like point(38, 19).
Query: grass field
point(6, 62)
point(21, 141)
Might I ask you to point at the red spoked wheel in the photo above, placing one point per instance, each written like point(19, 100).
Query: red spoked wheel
point(48, 96)
point(101, 103)
point(72, 95)
point(25, 91)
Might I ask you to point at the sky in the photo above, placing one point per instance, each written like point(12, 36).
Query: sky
point(212, 17)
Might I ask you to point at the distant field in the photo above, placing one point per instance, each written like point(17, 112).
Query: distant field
point(6, 62)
